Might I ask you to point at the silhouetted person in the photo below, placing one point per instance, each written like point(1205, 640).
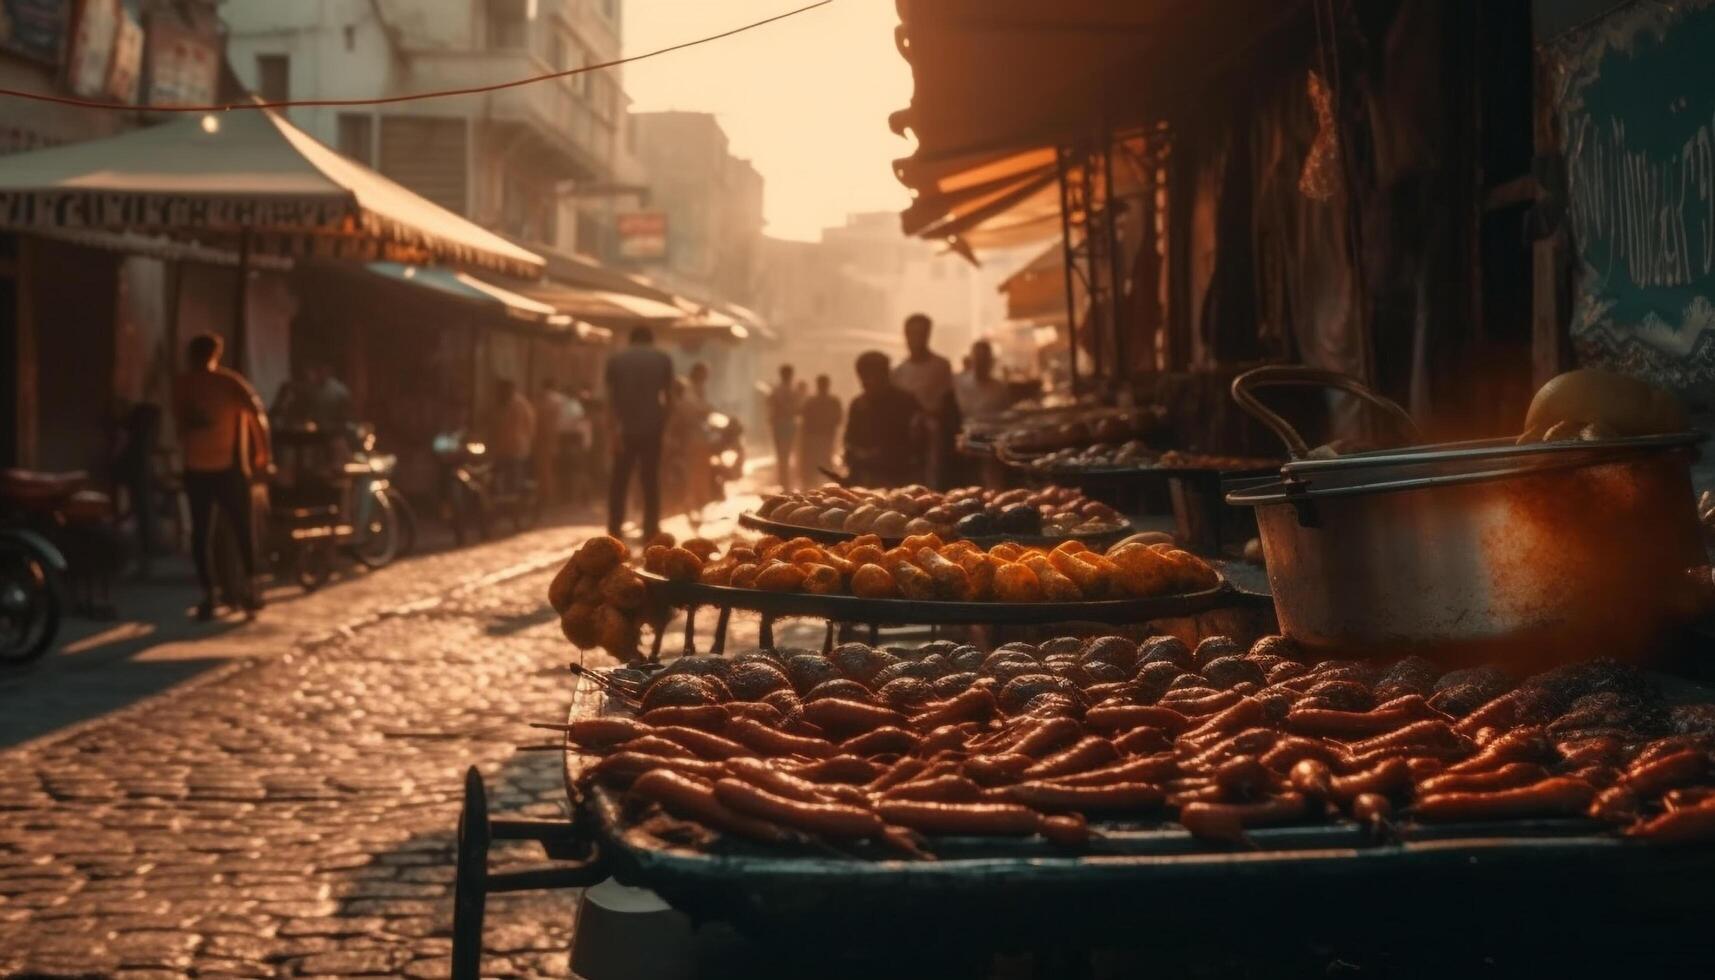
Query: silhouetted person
point(783, 423)
point(819, 422)
point(928, 377)
point(639, 382)
point(512, 431)
point(884, 438)
point(223, 436)
point(980, 394)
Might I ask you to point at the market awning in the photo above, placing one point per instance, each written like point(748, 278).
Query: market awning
point(1037, 292)
point(602, 306)
point(464, 287)
point(244, 174)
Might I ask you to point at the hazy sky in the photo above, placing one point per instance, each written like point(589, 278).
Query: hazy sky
point(806, 99)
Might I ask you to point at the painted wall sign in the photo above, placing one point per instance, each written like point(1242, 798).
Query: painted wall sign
point(35, 29)
point(1636, 100)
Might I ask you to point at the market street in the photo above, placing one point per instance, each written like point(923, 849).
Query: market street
point(242, 824)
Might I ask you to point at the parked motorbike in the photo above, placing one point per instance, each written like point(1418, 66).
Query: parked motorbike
point(323, 500)
point(473, 493)
point(32, 595)
point(385, 521)
point(66, 513)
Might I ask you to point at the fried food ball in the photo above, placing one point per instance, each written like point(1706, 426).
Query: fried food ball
point(890, 524)
point(1015, 582)
point(744, 576)
point(717, 573)
point(681, 565)
point(821, 579)
point(679, 690)
point(951, 582)
point(979, 569)
point(843, 688)
point(598, 555)
point(1007, 551)
point(806, 670)
point(587, 589)
point(662, 538)
point(1056, 587)
point(622, 589)
point(859, 661)
point(915, 542)
point(560, 589)
point(1164, 649)
point(578, 622)
point(1071, 547)
point(617, 633)
point(1195, 575)
point(653, 557)
point(866, 554)
point(861, 519)
point(871, 581)
point(1093, 582)
point(864, 539)
point(780, 577)
point(703, 548)
point(767, 541)
point(756, 680)
point(905, 693)
point(740, 554)
point(780, 550)
point(770, 504)
point(913, 582)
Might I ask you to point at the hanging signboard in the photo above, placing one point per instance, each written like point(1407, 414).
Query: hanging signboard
point(92, 42)
point(183, 65)
point(642, 235)
point(35, 29)
point(126, 71)
point(1637, 109)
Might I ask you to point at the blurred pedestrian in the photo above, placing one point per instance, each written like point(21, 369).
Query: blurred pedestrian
point(223, 437)
point(639, 382)
point(694, 448)
point(980, 394)
point(550, 404)
point(512, 436)
point(576, 441)
point(819, 423)
point(928, 377)
point(884, 442)
point(783, 422)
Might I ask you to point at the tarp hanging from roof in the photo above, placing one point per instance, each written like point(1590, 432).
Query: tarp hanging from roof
point(213, 178)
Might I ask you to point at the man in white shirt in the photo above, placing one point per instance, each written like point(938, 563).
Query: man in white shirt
point(981, 395)
point(928, 377)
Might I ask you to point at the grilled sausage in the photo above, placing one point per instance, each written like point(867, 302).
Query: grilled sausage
point(1292, 749)
point(1109, 798)
point(601, 733)
point(1502, 777)
point(696, 800)
point(624, 767)
point(785, 784)
point(1518, 745)
point(1087, 753)
point(1143, 741)
point(836, 820)
point(974, 704)
point(1555, 796)
point(703, 744)
point(949, 788)
point(998, 770)
point(842, 718)
point(707, 717)
point(1242, 714)
point(1227, 821)
point(887, 740)
point(657, 746)
point(1048, 736)
point(1386, 778)
point(773, 742)
point(1692, 824)
point(1125, 717)
point(1660, 775)
point(980, 819)
point(1141, 769)
point(906, 768)
point(840, 769)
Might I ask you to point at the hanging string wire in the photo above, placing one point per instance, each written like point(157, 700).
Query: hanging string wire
point(76, 103)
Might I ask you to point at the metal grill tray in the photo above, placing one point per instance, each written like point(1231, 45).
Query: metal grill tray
point(1097, 540)
point(856, 609)
point(1148, 876)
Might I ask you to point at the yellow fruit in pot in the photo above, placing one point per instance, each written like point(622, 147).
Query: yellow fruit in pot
point(1624, 405)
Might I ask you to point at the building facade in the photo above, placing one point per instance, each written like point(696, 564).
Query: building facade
point(537, 162)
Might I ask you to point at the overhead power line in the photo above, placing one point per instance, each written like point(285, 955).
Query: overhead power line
point(77, 103)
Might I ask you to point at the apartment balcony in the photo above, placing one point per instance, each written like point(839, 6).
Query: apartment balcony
point(573, 140)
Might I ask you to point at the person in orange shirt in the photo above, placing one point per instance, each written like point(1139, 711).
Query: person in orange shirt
point(223, 437)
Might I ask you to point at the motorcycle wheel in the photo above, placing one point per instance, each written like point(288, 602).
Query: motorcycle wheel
point(378, 543)
point(29, 606)
point(407, 519)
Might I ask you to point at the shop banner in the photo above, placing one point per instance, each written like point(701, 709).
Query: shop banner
point(125, 74)
point(92, 42)
point(35, 29)
point(642, 235)
point(1636, 100)
point(183, 65)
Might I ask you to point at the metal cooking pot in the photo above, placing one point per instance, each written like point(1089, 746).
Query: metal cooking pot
point(1478, 552)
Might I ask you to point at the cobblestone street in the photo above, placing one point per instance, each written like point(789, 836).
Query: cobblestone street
point(293, 815)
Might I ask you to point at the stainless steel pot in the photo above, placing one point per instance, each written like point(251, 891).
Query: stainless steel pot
point(1479, 552)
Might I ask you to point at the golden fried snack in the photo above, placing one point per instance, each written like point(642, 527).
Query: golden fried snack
point(780, 551)
point(765, 542)
point(1056, 587)
point(814, 554)
point(599, 554)
point(917, 542)
point(701, 547)
point(622, 589)
point(980, 568)
point(890, 524)
point(913, 582)
point(822, 579)
point(874, 582)
point(955, 549)
point(1195, 575)
point(780, 577)
point(616, 633)
point(561, 588)
point(841, 565)
point(653, 556)
point(1143, 572)
point(1093, 581)
point(861, 519)
point(742, 553)
point(681, 565)
point(744, 575)
point(951, 581)
point(866, 554)
point(864, 539)
point(1016, 583)
point(899, 554)
point(1007, 551)
point(1071, 547)
point(661, 538)
point(578, 622)
point(770, 504)
point(718, 573)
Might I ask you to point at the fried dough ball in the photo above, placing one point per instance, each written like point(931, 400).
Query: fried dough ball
point(864, 539)
point(1014, 582)
point(871, 581)
point(861, 519)
point(616, 632)
point(681, 565)
point(866, 554)
point(821, 579)
point(916, 542)
point(701, 547)
point(780, 577)
point(679, 690)
point(952, 582)
point(1092, 582)
point(578, 622)
point(744, 576)
point(622, 589)
point(913, 582)
point(756, 680)
point(890, 524)
point(1056, 587)
point(1195, 575)
point(814, 555)
point(1007, 551)
point(599, 554)
point(717, 573)
point(767, 541)
point(653, 558)
point(561, 588)
point(979, 569)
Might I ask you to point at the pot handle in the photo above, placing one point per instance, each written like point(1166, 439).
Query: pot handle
point(1295, 375)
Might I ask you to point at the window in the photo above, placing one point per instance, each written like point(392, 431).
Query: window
point(357, 137)
point(274, 77)
point(508, 24)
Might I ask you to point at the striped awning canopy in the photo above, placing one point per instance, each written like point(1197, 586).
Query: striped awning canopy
point(243, 175)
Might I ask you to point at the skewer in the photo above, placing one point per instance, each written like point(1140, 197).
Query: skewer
point(608, 685)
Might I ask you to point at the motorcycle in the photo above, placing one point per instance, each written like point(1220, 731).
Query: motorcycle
point(472, 493)
point(32, 595)
point(385, 522)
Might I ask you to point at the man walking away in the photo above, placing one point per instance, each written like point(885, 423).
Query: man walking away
point(513, 433)
point(928, 377)
point(820, 421)
point(639, 382)
point(884, 437)
point(783, 420)
point(223, 435)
